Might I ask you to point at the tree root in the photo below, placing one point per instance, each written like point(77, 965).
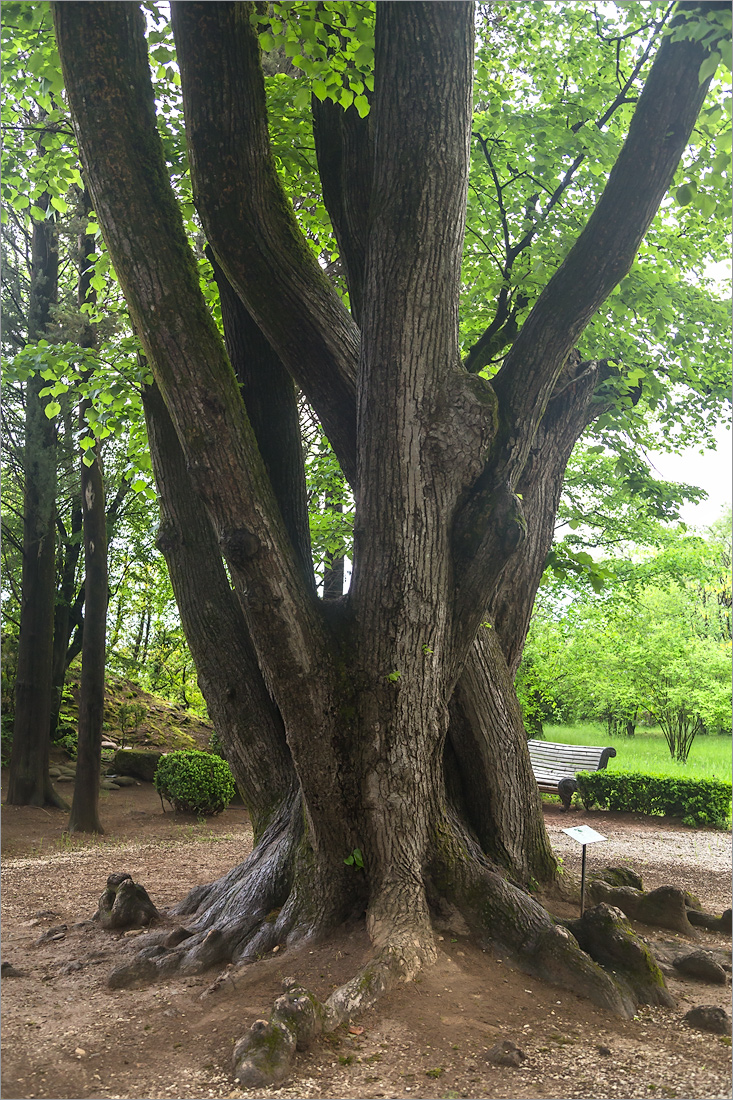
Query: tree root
point(663, 908)
point(264, 902)
point(604, 933)
point(125, 904)
point(499, 912)
point(265, 1054)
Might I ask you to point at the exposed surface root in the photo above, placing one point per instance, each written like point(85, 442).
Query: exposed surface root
point(240, 917)
point(125, 904)
point(665, 907)
point(499, 912)
point(265, 1054)
point(610, 940)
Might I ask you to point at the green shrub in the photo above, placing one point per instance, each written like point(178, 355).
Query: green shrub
point(195, 782)
point(696, 801)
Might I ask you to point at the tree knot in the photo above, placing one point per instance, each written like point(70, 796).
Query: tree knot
point(239, 545)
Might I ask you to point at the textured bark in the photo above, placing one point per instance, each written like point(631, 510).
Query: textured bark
point(603, 253)
point(569, 412)
point(362, 684)
point(29, 783)
point(160, 280)
point(84, 815)
point(244, 715)
point(345, 152)
point(65, 614)
point(409, 472)
point(270, 399)
point(85, 803)
point(247, 217)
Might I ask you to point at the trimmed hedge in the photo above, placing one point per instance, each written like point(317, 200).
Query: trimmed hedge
point(696, 801)
point(195, 782)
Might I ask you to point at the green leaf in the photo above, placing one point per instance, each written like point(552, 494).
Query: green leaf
point(52, 409)
point(685, 194)
point(59, 204)
point(708, 67)
point(267, 42)
point(362, 105)
point(301, 98)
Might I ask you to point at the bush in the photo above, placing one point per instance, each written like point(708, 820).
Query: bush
point(696, 801)
point(195, 782)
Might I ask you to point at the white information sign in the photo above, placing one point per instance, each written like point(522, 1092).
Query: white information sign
point(584, 834)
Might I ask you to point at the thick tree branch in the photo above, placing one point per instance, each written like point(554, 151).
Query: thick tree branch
point(245, 716)
point(269, 397)
point(248, 219)
point(602, 255)
point(482, 352)
point(107, 77)
point(571, 408)
point(345, 152)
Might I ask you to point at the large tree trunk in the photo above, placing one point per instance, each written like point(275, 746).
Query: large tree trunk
point(402, 735)
point(29, 783)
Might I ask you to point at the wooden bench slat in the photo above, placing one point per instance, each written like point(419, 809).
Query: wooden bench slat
point(554, 763)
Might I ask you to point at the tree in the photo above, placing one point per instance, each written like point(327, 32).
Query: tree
point(29, 782)
point(84, 815)
point(392, 708)
point(655, 642)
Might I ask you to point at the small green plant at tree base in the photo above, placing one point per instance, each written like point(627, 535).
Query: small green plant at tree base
point(195, 782)
point(393, 677)
point(438, 1071)
point(355, 859)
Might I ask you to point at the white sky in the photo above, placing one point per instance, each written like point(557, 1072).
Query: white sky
point(711, 470)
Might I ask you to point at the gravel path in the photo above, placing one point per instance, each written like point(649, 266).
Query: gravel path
point(698, 860)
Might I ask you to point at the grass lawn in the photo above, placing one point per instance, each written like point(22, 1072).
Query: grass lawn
point(647, 751)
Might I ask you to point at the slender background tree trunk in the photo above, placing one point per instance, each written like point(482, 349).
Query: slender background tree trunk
point(29, 783)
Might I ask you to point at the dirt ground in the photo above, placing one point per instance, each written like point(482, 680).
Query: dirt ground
point(65, 1034)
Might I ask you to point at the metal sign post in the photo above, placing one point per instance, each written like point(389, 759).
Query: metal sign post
point(584, 835)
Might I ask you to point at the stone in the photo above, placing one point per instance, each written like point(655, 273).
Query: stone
point(126, 781)
point(58, 932)
point(71, 967)
point(506, 1053)
point(138, 763)
point(7, 970)
point(701, 965)
point(708, 1018)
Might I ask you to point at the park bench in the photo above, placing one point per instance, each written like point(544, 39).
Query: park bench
point(555, 765)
